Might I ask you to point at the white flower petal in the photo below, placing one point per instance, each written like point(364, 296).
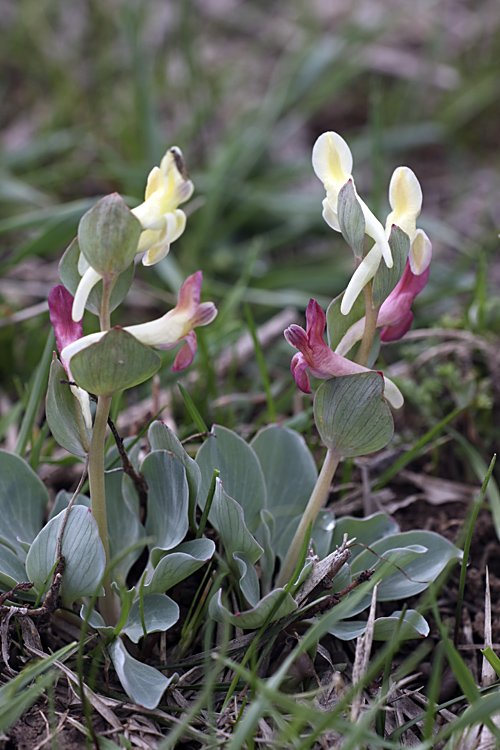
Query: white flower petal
point(330, 216)
point(332, 160)
point(393, 394)
point(375, 230)
point(361, 276)
point(405, 197)
point(87, 283)
point(420, 253)
point(84, 400)
point(80, 344)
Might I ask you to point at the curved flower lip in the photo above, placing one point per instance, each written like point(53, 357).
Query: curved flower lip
point(395, 316)
point(67, 331)
point(166, 332)
point(317, 357)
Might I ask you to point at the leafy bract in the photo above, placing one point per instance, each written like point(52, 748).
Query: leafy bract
point(386, 278)
point(351, 218)
point(23, 499)
point(240, 472)
point(82, 549)
point(60, 408)
point(70, 277)
point(351, 414)
point(116, 362)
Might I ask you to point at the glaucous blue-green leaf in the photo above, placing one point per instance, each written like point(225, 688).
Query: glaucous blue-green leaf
point(240, 472)
point(60, 408)
point(412, 626)
point(387, 278)
point(338, 324)
point(23, 499)
point(116, 362)
point(366, 531)
point(267, 561)
point(248, 579)
point(70, 277)
point(168, 497)
point(320, 535)
point(226, 515)
point(108, 235)
point(124, 527)
point(143, 684)
point(274, 605)
point(180, 563)
point(62, 501)
point(12, 569)
point(96, 621)
point(289, 470)
point(420, 571)
point(162, 438)
point(352, 416)
point(160, 613)
point(351, 218)
point(82, 549)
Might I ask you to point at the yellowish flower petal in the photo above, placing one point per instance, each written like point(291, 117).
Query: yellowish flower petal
point(330, 216)
point(393, 394)
point(332, 162)
point(84, 401)
point(405, 197)
point(154, 182)
point(420, 253)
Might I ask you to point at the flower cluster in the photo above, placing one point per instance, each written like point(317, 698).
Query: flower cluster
point(332, 163)
point(161, 223)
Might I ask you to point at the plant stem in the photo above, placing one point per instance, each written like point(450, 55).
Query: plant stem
point(370, 327)
point(96, 471)
point(98, 496)
point(316, 502)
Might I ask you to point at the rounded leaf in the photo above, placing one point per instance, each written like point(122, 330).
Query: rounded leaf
point(226, 515)
point(23, 499)
point(168, 495)
point(275, 605)
point(240, 472)
point(60, 408)
point(289, 470)
point(180, 563)
point(159, 611)
point(143, 684)
point(82, 549)
point(352, 416)
point(108, 236)
point(385, 628)
point(116, 362)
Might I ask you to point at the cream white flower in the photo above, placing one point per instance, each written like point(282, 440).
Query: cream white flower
point(166, 332)
point(332, 163)
point(162, 221)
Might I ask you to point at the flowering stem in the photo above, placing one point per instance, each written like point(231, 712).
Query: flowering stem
point(370, 327)
point(96, 471)
point(316, 502)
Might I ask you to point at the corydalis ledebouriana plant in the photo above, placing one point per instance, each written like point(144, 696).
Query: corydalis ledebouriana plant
point(162, 221)
point(175, 327)
point(332, 162)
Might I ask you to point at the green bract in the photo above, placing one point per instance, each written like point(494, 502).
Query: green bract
point(108, 236)
point(352, 416)
point(116, 362)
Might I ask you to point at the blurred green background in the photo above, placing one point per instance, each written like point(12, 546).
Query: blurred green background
point(92, 94)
